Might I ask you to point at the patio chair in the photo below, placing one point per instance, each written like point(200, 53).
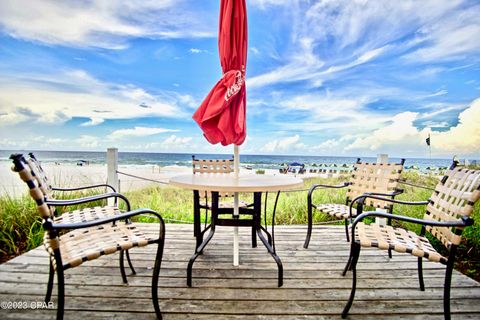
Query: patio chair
point(75, 216)
point(72, 242)
point(447, 213)
point(374, 178)
point(201, 197)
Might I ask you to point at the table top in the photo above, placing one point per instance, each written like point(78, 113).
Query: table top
point(243, 183)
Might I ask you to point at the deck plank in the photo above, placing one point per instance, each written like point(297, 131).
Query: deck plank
point(313, 285)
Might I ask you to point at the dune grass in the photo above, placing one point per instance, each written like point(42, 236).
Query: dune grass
point(21, 230)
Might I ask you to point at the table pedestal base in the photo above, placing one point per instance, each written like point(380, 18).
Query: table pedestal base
point(254, 223)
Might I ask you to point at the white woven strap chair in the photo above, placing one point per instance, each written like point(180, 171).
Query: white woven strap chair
point(80, 215)
point(373, 178)
point(71, 241)
point(448, 212)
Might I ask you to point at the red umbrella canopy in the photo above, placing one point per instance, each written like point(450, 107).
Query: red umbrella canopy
point(221, 115)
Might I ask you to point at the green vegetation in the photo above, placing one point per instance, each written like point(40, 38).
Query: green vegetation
point(20, 227)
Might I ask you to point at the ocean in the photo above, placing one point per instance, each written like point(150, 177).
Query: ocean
point(184, 159)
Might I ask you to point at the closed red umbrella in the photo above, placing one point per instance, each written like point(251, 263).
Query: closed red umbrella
point(221, 115)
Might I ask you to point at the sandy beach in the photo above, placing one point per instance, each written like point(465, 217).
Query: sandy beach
point(71, 175)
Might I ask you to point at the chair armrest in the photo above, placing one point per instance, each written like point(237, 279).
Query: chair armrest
point(85, 187)
point(395, 193)
point(61, 203)
point(382, 196)
point(464, 221)
point(87, 224)
point(316, 186)
point(373, 196)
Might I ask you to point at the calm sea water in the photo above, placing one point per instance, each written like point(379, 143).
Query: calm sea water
point(184, 159)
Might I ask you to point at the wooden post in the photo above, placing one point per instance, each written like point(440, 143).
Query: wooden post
point(381, 158)
point(112, 168)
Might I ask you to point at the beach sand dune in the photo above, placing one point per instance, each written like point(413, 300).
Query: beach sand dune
point(71, 175)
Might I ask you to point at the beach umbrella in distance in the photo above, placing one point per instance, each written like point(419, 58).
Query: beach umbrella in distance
point(221, 116)
point(296, 164)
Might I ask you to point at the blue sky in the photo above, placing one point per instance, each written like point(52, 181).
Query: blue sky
point(352, 78)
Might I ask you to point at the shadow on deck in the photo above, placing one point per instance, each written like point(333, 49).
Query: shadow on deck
point(313, 285)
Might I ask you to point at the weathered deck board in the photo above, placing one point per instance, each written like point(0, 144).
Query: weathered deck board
point(313, 285)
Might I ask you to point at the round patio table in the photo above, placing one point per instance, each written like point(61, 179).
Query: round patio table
point(229, 183)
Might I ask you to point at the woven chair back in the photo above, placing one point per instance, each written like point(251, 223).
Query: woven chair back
point(453, 197)
point(28, 174)
point(40, 176)
point(212, 166)
point(374, 177)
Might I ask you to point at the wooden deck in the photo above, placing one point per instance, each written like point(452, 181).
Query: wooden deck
point(313, 288)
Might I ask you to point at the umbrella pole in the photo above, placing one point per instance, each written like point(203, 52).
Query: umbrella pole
point(236, 161)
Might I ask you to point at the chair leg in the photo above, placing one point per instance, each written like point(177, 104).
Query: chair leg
point(130, 262)
point(156, 273)
point(356, 253)
point(61, 293)
point(254, 237)
point(349, 263)
point(346, 230)
point(446, 289)
point(51, 275)
point(309, 226)
point(122, 266)
point(420, 274)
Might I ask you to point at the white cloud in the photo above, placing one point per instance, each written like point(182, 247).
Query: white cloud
point(88, 142)
point(172, 143)
point(329, 37)
point(93, 122)
point(451, 37)
point(400, 129)
point(104, 24)
point(60, 97)
point(138, 132)
point(436, 94)
point(285, 144)
point(401, 137)
point(197, 51)
point(173, 140)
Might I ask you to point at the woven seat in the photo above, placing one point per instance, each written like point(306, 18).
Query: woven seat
point(447, 213)
point(397, 239)
point(86, 234)
point(87, 214)
point(79, 246)
point(340, 211)
point(373, 178)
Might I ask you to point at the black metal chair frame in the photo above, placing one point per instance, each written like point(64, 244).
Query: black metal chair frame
point(56, 229)
point(349, 202)
point(254, 223)
point(464, 221)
